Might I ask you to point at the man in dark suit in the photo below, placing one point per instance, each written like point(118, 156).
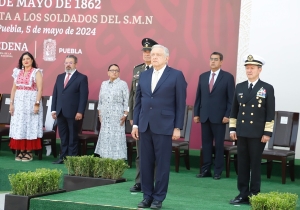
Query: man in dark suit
point(251, 124)
point(69, 99)
point(147, 44)
point(158, 117)
point(212, 108)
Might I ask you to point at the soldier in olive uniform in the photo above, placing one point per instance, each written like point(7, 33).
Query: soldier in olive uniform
point(251, 124)
point(147, 44)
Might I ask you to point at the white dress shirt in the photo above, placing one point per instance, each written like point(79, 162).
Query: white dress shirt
point(253, 83)
point(149, 66)
point(216, 75)
point(70, 75)
point(159, 72)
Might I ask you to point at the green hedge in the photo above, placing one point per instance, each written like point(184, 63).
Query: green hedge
point(274, 201)
point(90, 166)
point(35, 182)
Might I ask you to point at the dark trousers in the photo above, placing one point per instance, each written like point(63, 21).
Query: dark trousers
point(155, 150)
point(68, 132)
point(249, 152)
point(137, 163)
point(210, 132)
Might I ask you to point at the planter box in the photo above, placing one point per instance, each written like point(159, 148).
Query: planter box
point(20, 202)
point(79, 182)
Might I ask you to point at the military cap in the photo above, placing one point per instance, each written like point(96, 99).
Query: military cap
point(148, 43)
point(254, 60)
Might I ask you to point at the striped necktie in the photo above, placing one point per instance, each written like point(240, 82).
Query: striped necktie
point(67, 80)
point(212, 81)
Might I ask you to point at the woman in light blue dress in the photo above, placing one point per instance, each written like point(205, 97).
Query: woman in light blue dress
point(113, 110)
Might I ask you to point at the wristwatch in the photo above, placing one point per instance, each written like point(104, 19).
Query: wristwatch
point(125, 115)
point(37, 103)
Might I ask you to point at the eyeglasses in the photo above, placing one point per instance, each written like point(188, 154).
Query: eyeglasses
point(114, 71)
point(71, 63)
point(214, 59)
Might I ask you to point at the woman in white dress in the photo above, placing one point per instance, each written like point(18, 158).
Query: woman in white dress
point(113, 110)
point(26, 125)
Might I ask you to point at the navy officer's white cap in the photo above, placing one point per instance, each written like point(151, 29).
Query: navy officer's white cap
point(254, 60)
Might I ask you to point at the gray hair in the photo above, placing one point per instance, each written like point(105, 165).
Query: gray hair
point(74, 57)
point(162, 47)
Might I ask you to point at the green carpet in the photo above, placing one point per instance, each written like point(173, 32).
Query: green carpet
point(8, 165)
point(185, 191)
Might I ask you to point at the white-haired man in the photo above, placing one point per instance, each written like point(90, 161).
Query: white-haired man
point(158, 117)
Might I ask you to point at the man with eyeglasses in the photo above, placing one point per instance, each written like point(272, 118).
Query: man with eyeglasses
point(212, 108)
point(69, 98)
point(147, 44)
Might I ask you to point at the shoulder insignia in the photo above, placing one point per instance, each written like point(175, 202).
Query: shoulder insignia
point(138, 65)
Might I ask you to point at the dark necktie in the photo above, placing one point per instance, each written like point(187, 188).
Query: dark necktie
point(250, 87)
point(147, 67)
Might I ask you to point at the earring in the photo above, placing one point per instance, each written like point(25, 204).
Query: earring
point(22, 67)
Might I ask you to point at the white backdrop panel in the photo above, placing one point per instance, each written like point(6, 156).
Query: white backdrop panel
point(275, 35)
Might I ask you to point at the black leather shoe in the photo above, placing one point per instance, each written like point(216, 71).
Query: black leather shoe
point(156, 204)
point(145, 203)
point(59, 161)
point(217, 176)
point(205, 173)
point(136, 188)
point(239, 200)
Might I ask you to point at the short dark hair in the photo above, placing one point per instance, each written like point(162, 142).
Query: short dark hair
point(74, 57)
point(219, 54)
point(20, 65)
point(113, 65)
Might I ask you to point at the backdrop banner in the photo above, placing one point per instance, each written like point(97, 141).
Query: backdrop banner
point(101, 32)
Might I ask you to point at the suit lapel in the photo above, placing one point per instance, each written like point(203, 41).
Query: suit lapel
point(73, 77)
point(163, 77)
point(205, 82)
point(253, 91)
point(148, 79)
point(61, 80)
point(219, 78)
